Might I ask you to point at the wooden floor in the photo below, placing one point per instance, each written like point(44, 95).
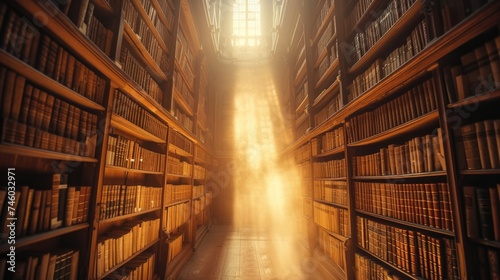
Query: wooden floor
point(247, 253)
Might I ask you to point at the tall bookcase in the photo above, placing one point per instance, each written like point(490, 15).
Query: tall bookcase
point(404, 92)
point(99, 138)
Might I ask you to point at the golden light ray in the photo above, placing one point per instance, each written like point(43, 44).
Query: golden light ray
point(265, 186)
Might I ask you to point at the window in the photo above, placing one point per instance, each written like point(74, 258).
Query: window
point(246, 23)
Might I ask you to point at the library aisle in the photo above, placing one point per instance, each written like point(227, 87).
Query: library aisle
point(235, 253)
point(261, 245)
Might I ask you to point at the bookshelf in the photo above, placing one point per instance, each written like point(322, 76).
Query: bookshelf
point(414, 89)
point(89, 124)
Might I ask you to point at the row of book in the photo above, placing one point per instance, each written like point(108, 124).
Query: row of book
point(418, 39)
point(153, 15)
point(182, 118)
point(183, 89)
point(301, 129)
point(328, 141)
point(329, 110)
point(415, 43)
point(328, 60)
point(35, 211)
point(200, 154)
point(413, 103)
point(118, 200)
point(326, 37)
point(329, 169)
point(59, 264)
point(419, 155)
point(478, 71)
point(26, 103)
point(167, 11)
point(333, 248)
point(414, 252)
point(141, 30)
point(332, 218)
point(365, 39)
point(176, 216)
point(183, 53)
point(323, 12)
point(99, 34)
point(367, 268)
point(127, 108)
point(201, 135)
point(123, 152)
point(139, 74)
point(301, 94)
point(132, 17)
point(199, 205)
point(199, 172)
point(481, 144)
point(141, 267)
point(180, 141)
point(174, 193)
point(303, 153)
point(29, 136)
point(305, 170)
point(178, 167)
point(488, 262)
point(23, 40)
point(174, 246)
point(424, 204)
point(482, 211)
point(198, 191)
point(121, 242)
point(331, 191)
point(188, 74)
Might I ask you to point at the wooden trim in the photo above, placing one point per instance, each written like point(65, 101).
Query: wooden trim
point(125, 125)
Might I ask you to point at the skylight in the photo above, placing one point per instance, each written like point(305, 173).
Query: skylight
point(246, 23)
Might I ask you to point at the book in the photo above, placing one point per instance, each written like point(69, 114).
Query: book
point(482, 145)
point(495, 211)
point(494, 264)
point(43, 266)
point(471, 212)
point(8, 93)
point(35, 212)
point(485, 214)
point(491, 141)
point(70, 205)
point(471, 147)
point(27, 216)
point(494, 61)
point(22, 209)
point(41, 215)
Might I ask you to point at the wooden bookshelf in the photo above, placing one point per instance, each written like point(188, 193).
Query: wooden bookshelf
point(396, 30)
point(133, 40)
point(42, 80)
point(132, 129)
point(327, 74)
point(114, 268)
point(39, 153)
point(447, 48)
point(150, 24)
point(144, 120)
point(39, 237)
point(325, 22)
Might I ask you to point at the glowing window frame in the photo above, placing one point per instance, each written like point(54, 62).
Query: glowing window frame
point(247, 26)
